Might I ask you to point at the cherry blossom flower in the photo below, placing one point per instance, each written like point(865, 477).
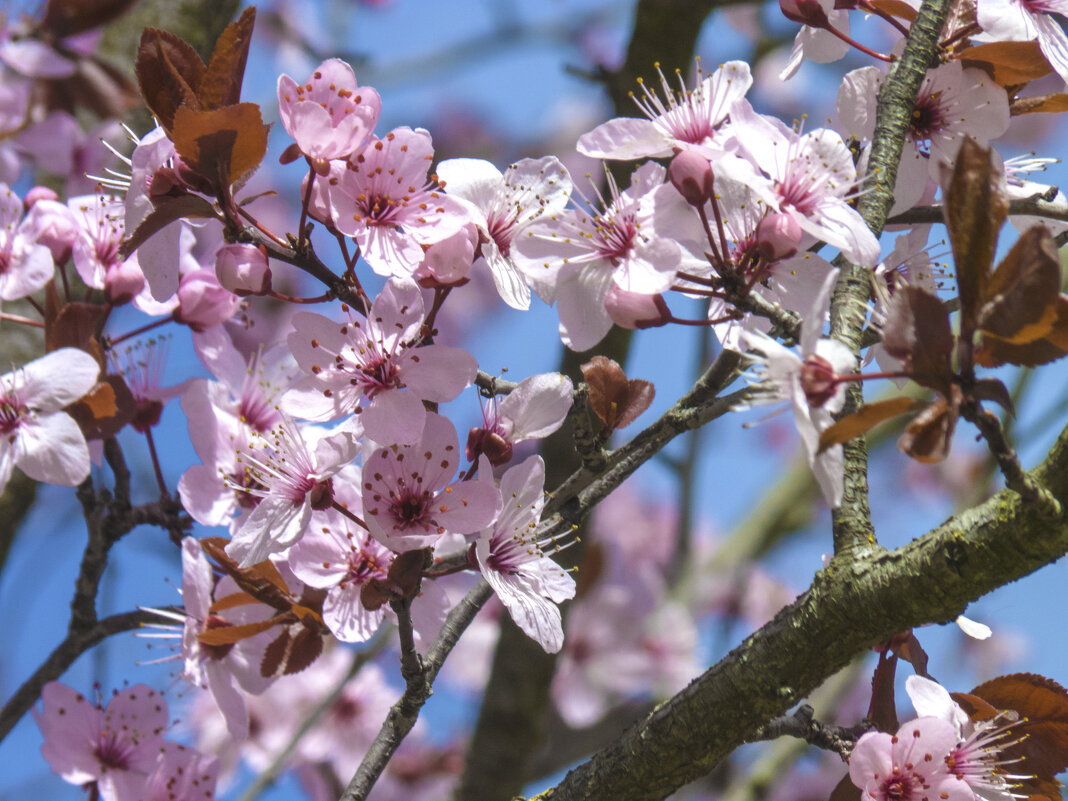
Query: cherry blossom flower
point(372, 365)
point(407, 497)
point(96, 250)
point(219, 669)
point(515, 563)
point(953, 102)
point(505, 204)
point(977, 756)
point(290, 471)
point(116, 747)
point(574, 258)
point(328, 116)
point(36, 435)
point(25, 265)
point(808, 382)
point(690, 117)
point(534, 409)
point(810, 176)
point(182, 774)
point(384, 201)
point(908, 766)
point(1027, 20)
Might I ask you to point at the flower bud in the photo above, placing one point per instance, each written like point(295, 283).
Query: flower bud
point(807, 12)
point(691, 174)
point(449, 260)
point(777, 236)
point(635, 310)
point(124, 282)
point(243, 269)
point(51, 223)
point(202, 302)
point(38, 193)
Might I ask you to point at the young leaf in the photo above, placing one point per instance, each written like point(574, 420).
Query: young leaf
point(974, 209)
point(1012, 63)
point(65, 18)
point(928, 435)
point(166, 211)
point(616, 400)
point(1019, 302)
point(228, 635)
point(168, 71)
point(863, 420)
point(917, 333)
point(221, 83)
point(222, 144)
point(993, 389)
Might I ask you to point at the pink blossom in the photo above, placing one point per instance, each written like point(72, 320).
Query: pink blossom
point(373, 365)
point(516, 563)
point(384, 201)
point(243, 269)
point(690, 117)
point(505, 204)
point(407, 496)
point(908, 766)
point(290, 471)
point(816, 42)
point(202, 302)
point(182, 774)
point(51, 223)
point(25, 264)
point(574, 258)
point(536, 407)
point(115, 747)
point(36, 435)
point(100, 232)
point(328, 116)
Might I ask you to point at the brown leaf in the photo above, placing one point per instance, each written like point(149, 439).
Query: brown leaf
point(1019, 302)
point(974, 209)
point(928, 435)
point(291, 651)
point(994, 389)
point(221, 84)
point(262, 581)
point(882, 711)
point(863, 420)
point(917, 333)
point(231, 601)
point(106, 409)
point(222, 144)
point(63, 18)
point(1042, 705)
point(166, 211)
point(845, 790)
point(1050, 104)
point(228, 635)
point(75, 326)
point(994, 352)
point(616, 400)
point(897, 8)
point(168, 71)
point(1011, 63)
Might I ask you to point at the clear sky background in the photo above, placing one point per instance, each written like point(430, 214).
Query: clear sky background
point(458, 68)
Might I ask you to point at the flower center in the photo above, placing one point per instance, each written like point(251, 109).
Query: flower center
point(11, 414)
point(112, 753)
point(818, 380)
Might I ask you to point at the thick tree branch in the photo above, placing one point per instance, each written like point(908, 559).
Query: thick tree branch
point(897, 98)
point(859, 600)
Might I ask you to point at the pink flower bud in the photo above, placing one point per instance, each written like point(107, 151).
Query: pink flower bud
point(691, 174)
point(202, 302)
point(243, 269)
point(52, 224)
point(807, 12)
point(123, 282)
point(635, 310)
point(777, 236)
point(449, 260)
point(38, 193)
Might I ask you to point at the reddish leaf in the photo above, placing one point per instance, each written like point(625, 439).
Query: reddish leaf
point(882, 711)
point(262, 581)
point(910, 650)
point(897, 8)
point(1011, 63)
point(994, 389)
point(616, 400)
point(1042, 704)
point(863, 420)
point(231, 601)
point(917, 333)
point(928, 435)
point(166, 211)
point(291, 652)
point(228, 635)
point(994, 352)
point(106, 409)
point(223, 144)
point(1019, 303)
point(168, 71)
point(1050, 104)
point(63, 18)
point(975, 206)
point(221, 84)
point(75, 325)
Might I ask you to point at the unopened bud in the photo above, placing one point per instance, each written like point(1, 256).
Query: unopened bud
point(634, 310)
point(777, 236)
point(243, 269)
point(807, 12)
point(202, 302)
point(124, 282)
point(38, 193)
point(496, 448)
point(691, 174)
